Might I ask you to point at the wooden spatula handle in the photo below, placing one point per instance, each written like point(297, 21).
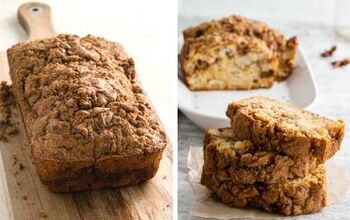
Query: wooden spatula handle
point(36, 20)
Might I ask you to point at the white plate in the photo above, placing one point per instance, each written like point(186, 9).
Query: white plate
point(207, 108)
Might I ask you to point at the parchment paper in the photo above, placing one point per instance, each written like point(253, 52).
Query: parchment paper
point(204, 206)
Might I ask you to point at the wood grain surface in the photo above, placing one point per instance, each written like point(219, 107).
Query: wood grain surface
point(24, 197)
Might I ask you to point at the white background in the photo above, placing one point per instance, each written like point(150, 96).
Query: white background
point(312, 21)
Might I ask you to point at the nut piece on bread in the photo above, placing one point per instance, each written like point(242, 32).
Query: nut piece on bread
point(281, 127)
point(294, 197)
point(284, 49)
point(238, 161)
point(227, 61)
point(88, 122)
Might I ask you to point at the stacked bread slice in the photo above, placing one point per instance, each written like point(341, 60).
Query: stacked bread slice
point(271, 157)
point(235, 53)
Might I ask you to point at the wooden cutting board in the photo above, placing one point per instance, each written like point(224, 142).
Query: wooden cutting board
point(23, 196)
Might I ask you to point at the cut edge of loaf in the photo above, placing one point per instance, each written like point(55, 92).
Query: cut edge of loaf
point(204, 68)
point(240, 162)
point(285, 49)
point(80, 173)
point(270, 135)
point(296, 197)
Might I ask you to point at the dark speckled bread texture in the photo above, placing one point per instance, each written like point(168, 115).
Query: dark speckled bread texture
point(88, 122)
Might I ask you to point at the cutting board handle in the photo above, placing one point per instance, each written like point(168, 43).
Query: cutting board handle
point(35, 18)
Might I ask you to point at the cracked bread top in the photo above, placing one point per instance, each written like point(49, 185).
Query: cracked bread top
point(295, 131)
point(81, 101)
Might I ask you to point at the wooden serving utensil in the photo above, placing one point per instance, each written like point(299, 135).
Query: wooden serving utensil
point(35, 18)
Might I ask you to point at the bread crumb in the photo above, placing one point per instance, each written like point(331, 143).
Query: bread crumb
point(329, 53)
point(42, 215)
point(21, 166)
point(7, 103)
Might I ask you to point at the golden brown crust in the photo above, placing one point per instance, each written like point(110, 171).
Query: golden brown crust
point(295, 197)
point(82, 106)
point(114, 171)
point(280, 127)
point(285, 49)
point(227, 61)
point(239, 161)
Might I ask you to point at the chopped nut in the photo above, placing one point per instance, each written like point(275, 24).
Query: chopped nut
point(85, 104)
point(80, 131)
point(329, 53)
point(261, 116)
point(201, 64)
point(267, 73)
point(340, 63)
point(292, 42)
point(101, 100)
point(242, 147)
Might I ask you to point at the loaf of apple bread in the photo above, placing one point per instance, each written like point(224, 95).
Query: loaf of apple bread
point(281, 127)
point(294, 197)
point(283, 49)
point(88, 121)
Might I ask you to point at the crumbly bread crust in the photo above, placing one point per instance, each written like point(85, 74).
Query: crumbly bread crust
point(227, 61)
point(285, 49)
point(238, 161)
point(280, 127)
point(295, 197)
point(89, 123)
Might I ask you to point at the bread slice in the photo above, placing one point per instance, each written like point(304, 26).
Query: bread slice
point(285, 49)
point(294, 197)
point(238, 161)
point(281, 127)
point(89, 123)
point(227, 61)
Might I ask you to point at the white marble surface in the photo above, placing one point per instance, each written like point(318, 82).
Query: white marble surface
point(333, 89)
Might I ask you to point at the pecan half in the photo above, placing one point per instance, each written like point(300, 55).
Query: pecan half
point(329, 53)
